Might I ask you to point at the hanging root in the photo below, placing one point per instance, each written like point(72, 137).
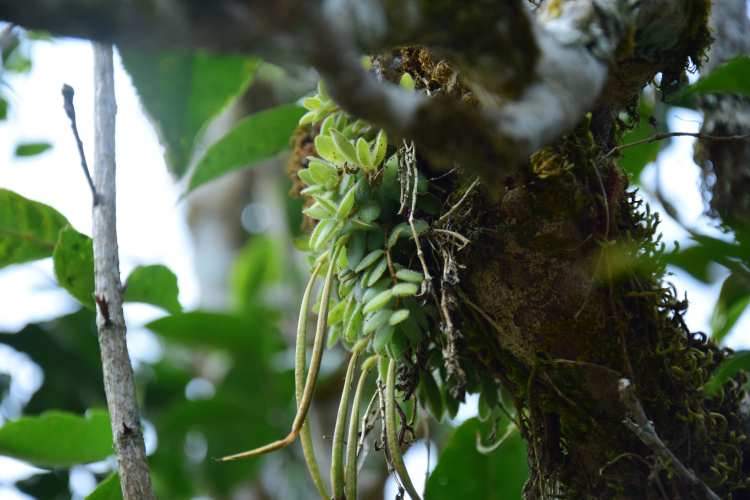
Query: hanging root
point(351, 447)
point(394, 446)
point(337, 460)
point(312, 376)
point(491, 450)
point(299, 385)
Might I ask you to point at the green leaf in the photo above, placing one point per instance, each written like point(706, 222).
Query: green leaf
point(363, 153)
point(369, 259)
point(327, 149)
point(731, 78)
point(740, 360)
point(462, 472)
point(370, 211)
point(251, 140)
point(378, 301)
point(433, 396)
point(29, 230)
point(156, 285)
point(355, 249)
point(32, 149)
point(204, 329)
point(382, 337)
point(73, 261)
point(409, 275)
point(345, 148)
point(259, 263)
point(398, 316)
point(182, 92)
point(634, 159)
point(376, 320)
point(378, 150)
point(404, 289)
point(58, 438)
point(109, 489)
point(3, 109)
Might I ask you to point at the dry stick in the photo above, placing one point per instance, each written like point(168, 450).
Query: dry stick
point(660, 137)
point(130, 450)
point(455, 207)
point(70, 110)
point(644, 430)
point(394, 445)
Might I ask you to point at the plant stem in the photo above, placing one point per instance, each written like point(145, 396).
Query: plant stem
point(130, 449)
point(337, 461)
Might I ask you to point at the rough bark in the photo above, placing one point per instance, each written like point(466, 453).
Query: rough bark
point(726, 167)
point(119, 386)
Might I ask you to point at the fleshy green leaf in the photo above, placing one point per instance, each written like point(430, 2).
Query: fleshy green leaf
point(404, 289)
point(156, 285)
point(58, 438)
point(398, 316)
point(369, 260)
point(381, 338)
point(363, 153)
point(378, 149)
point(32, 149)
point(109, 489)
point(376, 320)
point(355, 249)
point(253, 139)
point(327, 149)
point(345, 148)
point(312, 103)
point(409, 275)
point(73, 260)
point(182, 92)
point(29, 230)
point(378, 301)
point(370, 211)
point(462, 472)
point(347, 203)
point(406, 82)
point(377, 271)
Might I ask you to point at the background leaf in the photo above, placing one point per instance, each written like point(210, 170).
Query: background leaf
point(182, 92)
point(462, 472)
point(731, 78)
point(635, 159)
point(58, 438)
point(28, 229)
point(68, 350)
point(253, 139)
point(73, 260)
point(109, 489)
point(156, 285)
point(32, 149)
point(740, 360)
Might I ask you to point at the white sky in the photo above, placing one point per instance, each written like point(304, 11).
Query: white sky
point(151, 223)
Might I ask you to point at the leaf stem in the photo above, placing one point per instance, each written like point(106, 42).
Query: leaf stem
point(351, 447)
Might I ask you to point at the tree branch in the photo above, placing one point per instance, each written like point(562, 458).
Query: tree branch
point(644, 429)
point(119, 386)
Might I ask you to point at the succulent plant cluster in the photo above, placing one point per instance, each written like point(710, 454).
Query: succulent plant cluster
point(363, 193)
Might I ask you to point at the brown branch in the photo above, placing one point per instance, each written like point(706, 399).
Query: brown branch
point(119, 386)
point(70, 110)
point(661, 137)
point(644, 430)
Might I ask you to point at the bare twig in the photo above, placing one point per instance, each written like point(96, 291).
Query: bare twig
point(644, 430)
point(70, 110)
point(661, 137)
point(455, 207)
point(118, 373)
